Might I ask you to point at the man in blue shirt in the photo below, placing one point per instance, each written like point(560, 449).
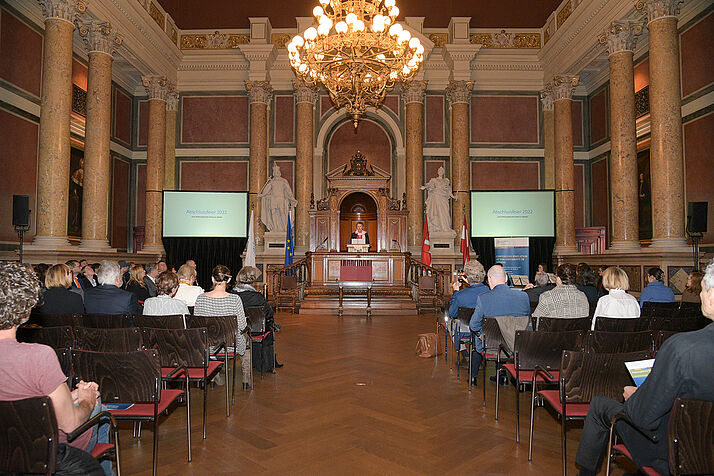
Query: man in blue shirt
point(656, 291)
point(474, 274)
point(499, 301)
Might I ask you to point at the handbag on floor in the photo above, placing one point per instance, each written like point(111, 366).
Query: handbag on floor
point(426, 345)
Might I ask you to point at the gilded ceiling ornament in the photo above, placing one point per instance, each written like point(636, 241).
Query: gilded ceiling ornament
point(98, 36)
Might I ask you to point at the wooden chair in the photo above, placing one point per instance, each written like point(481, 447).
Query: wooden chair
point(108, 340)
point(60, 337)
point(690, 438)
point(174, 321)
point(582, 376)
point(184, 353)
point(651, 309)
point(427, 297)
point(65, 360)
point(258, 331)
point(29, 436)
point(133, 378)
point(537, 349)
point(659, 339)
point(55, 320)
point(288, 293)
point(222, 334)
point(677, 324)
point(615, 324)
point(107, 321)
point(617, 342)
point(492, 341)
point(558, 324)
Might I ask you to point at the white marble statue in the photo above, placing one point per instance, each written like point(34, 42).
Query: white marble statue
point(437, 203)
point(276, 200)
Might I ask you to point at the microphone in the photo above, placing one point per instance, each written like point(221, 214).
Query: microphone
point(323, 242)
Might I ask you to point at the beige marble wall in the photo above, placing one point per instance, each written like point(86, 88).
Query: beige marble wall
point(459, 95)
point(260, 94)
point(413, 97)
point(170, 156)
point(306, 98)
point(548, 139)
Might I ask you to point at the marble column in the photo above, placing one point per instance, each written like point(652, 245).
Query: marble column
point(563, 87)
point(305, 98)
point(546, 97)
point(55, 112)
point(157, 89)
point(620, 40)
point(413, 97)
point(458, 93)
point(101, 44)
point(260, 94)
point(172, 99)
point(666, 160)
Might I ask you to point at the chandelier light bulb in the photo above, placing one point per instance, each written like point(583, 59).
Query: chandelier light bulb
point(394, 11)
point(324, 3)
point(395, 29)
point(420, 49)
point(414, 42)
point(298, 41)
point(403, 36)
point(387, 20)
point(310, 33)
point(302, 68)
point(358, 25)
point(389, 3)
point(341, 27)
point(406, 70)
point(323, 29)
point(351, 18)
point(381, 56)
point(317, 12)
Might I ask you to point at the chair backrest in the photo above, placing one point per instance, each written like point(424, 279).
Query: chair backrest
point(691, 437)
point(28, 436)
point(545, 348)
point(650, 309)
point(60, 337)
point(219, 329)
point(178, 347)
point(558, 324)
point(65, 360)
point(255, 317)
point(679, 324)
point(584, 375)
point(288, 282)
point(108, 340)
point(174, 321)
point(617, 342)
point(616, 324)
point(107, 321)
point(464, 316)
point(427, 283)
point(55, 320)
point(123, 377)
point(491, 335)
point(659, 339)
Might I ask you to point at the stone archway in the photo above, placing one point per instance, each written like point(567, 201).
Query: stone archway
point(357, 206)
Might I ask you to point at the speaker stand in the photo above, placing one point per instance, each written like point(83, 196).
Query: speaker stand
point(21, 233)
point(695, 245)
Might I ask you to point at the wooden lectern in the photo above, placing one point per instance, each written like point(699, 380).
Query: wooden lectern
point(357, 248)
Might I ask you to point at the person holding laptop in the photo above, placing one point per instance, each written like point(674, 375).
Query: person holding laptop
point(360, 234)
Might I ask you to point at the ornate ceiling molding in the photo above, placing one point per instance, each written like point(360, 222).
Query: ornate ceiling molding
point(213, 41)
point(503, 39)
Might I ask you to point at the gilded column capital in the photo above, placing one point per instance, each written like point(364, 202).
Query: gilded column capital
point(656, 9)
point(156, 86)
point(414, 92)
point(546, 97)
point(259, 92)
point(564, 86)
point(459, 92)
point(172, 99)
point(621, 36)
point(98, 37)
point(304, 93)
point(66, 10)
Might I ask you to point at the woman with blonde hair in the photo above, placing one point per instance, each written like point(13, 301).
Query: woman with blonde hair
point(58, 299)
point(617, 303)
point(187, 290)
point(136, 283)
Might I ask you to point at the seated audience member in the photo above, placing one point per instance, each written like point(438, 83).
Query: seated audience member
point(500, 300)
point(191, 263)
point(89, 277)
point(587, 282)
point(694, 287)
point(32, 370)
point(150, 279)
point(218, 302)
point(58, 299)
point(166, 303)
point(41, 272)
point(474, 274)
point(161, 266)
point(682, 369)
point(617, 303)
point(564, 300)
point(136, 284)
point(124, 268)
point(601, 291)
point(542, 284)
point(108, 298)
point(76, 271)
point(656, 291)
point(187, 290)
point(250, 297)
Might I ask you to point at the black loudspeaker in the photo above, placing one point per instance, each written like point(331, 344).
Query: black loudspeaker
point(697, 217)
point(21, 211)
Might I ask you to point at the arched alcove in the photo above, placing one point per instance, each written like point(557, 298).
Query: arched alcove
point(357, 206)
point(369, 138)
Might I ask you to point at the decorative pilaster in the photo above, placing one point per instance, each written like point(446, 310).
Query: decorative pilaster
point(666, 158)
point(55, 113)
point(260, 94)
point(563, 87)
point(157, 89)
point(172, 99)
point(458, 93)
point(620, 40)
point(546, 97)
point(101, 44)
point(305, 98)
point(413, 97)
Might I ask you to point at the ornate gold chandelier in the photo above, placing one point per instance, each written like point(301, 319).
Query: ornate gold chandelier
point(357, 51)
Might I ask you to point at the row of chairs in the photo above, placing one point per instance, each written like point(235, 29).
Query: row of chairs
point(613, 324)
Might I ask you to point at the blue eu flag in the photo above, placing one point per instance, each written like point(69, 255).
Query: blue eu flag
point(289, 249)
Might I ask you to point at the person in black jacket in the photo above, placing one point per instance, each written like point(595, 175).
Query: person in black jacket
point(108, 298)
point(587, 282)
point(252, 298)
point(58, 299)
point(136, 283)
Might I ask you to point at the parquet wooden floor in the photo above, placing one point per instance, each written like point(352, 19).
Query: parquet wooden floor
point(353, 398)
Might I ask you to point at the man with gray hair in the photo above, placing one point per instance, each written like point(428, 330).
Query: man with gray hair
point(473, 275)
point(150, 279)
point(108, 297)
point(542, 284)
point(682, 369)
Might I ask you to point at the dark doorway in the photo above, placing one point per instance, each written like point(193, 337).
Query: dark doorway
point(358, 206)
